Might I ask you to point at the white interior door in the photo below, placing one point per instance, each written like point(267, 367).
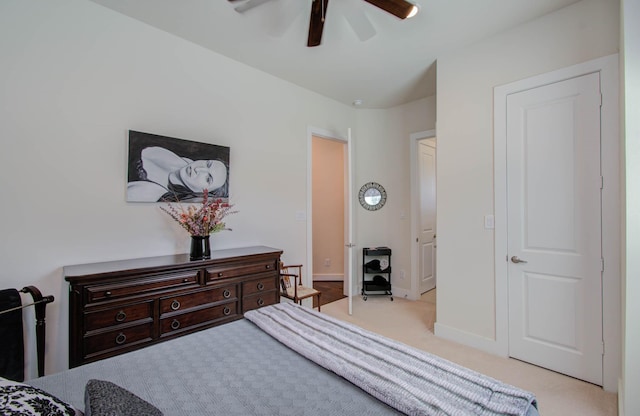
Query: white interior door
point(554, 227)
point(427, 217)
point(350, 243)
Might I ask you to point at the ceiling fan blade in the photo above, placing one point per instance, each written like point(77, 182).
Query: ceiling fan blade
point(316, 21)
point(399, 8)
point(248, 5)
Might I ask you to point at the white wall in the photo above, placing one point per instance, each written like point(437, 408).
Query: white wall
point(382, 155)
point(466, 78)
point(630, 385)
point(75, 77)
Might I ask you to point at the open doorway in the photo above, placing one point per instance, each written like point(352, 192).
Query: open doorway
point(426, 227)
point(423, 218)
point(328, 158)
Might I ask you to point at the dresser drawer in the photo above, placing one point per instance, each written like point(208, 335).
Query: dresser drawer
point(141, 286)
point(118, 339)
point(119, 315)
point(191, 300)
point(180, 322)
point(259, 285)
point(215, 273)
point(259, 300)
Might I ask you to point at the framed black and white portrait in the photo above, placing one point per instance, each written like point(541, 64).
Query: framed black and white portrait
point(169, 169)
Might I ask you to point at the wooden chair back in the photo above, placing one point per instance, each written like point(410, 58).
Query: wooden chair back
point(291, 284)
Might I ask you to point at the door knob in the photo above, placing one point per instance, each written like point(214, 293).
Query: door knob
point(515, 259)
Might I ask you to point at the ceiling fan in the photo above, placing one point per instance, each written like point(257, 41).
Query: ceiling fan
point(399, 8)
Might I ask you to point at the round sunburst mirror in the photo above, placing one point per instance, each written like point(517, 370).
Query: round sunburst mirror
point(372, 196)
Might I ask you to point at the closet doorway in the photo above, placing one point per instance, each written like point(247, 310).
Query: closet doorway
point(423, 217)
point(328, 219)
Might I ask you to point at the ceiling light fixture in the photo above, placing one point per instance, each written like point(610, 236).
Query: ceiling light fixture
point(402, 9)
point(357, 103)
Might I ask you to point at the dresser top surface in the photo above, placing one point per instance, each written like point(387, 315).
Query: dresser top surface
point(77, 271)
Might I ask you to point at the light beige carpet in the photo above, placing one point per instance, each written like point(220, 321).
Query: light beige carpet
point(412, 322)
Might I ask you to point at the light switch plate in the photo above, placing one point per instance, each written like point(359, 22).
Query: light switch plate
point(489, 222)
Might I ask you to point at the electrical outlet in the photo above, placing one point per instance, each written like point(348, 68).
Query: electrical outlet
point(327, 262)
point(401, 275)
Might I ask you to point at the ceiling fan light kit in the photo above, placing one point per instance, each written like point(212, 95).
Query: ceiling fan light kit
point(399, 8)
point(402, 9)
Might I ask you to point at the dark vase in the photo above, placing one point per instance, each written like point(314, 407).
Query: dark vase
point(200, 249)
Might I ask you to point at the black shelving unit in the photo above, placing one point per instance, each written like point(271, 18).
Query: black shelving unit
point(376, 272)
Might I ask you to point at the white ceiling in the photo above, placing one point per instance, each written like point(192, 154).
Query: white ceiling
point(393, 67)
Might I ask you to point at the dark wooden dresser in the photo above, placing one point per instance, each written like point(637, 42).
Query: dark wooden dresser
point(120, 306)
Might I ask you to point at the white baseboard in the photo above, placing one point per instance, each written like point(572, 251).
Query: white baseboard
point(401, 293)
point(317, 277)
point(467, 338)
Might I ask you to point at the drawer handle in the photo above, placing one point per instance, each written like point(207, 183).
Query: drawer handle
point(226, 294)
point(268, 266)
point(121, 338)
point(107, 293)
point(175, 324)
point(220, 274)
point(185, 280)
point(175, 305)
point(260, 286)
point(260, 302)
point(226, 311)
point(121, 316)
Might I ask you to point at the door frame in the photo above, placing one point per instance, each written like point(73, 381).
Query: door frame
point(348, 221)
point(414, 138)
point(610, 167)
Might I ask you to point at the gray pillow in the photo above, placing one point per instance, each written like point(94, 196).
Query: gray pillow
point(103, 398)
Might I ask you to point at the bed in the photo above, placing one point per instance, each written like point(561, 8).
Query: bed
point(290, 360)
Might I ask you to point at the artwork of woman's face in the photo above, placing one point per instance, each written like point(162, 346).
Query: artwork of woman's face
point(202, 174)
